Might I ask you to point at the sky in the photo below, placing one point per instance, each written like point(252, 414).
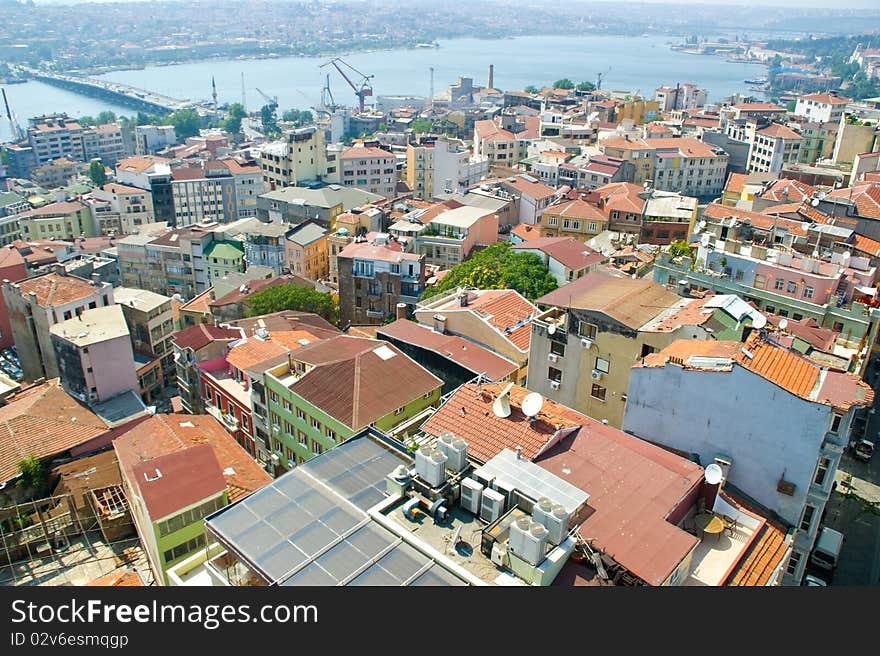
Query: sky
point(794, 4)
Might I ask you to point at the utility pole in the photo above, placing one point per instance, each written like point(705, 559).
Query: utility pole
point(214, 92)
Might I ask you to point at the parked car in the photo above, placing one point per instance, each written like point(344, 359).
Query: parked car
point(826, 553)
point(863, 450)
point(811, 580)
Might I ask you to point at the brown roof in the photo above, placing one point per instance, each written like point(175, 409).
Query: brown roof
point(200, 335)
point(120, 578)
point(686, 146)
point(139, 163)
point(254, 350)
point(826, 98)
point(55, 209)
point(461, 351)
point(175, 480)
point(526, 232)
point(808, 330)
point(199, 304)
point(502, 309)
point(357, 152)
point(354, 385)
point(755, 107)
point(630, 302)
point(622, 196)
point(567, 251)
point(43, 420)
point(468, 414)
point(757, 219)
point(766, 550)
point(83, 474)
point(161, 435)
point(865, 195)
point(634, 487)
point(287, 320)
point(779, 131)
point(117, 188)
point(576, 209)
point(789, 190)
point(252, 287)
point(735, 182)
point(536, 190)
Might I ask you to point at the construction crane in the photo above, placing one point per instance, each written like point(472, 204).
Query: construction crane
point(327, 100)
point(14, 127)
point(272, 101)
point(362, 89)
point(599, 79)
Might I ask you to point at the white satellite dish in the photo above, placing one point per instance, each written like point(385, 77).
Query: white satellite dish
point(713, 474)
point(815, 202)
point(532, 404)
point(759, 321)
point(501, 407)
point(704, 240)
point(805, 225)
point(821, 195)
point(551, 329)
point(783, 324)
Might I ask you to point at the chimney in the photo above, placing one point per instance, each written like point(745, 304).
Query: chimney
point(491, 81)
point(439, 324)
point(59, 269)
point(462, 298)
point(96, 279)
point(518, 452)
point(401, 311)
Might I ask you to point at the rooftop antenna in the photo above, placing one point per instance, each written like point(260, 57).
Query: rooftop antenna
point(214, 92)
point(532, 404)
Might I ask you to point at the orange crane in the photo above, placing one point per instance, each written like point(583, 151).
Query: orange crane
point(362, 89)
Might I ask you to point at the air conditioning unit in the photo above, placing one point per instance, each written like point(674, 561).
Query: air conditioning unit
point(276, 428)
point(274, 459)
point(498, 554)
point(491, 505)
point(586, 343)
point(471, 494)
point(596, 375)
point(93, 396)
point(552, 357)
point(554, 384)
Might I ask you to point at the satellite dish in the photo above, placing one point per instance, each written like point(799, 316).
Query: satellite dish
point(821, 195)
point(759, 321)
point(532, 404)
point(815, 202)
point(805, 225)
point(551, 329)
point(783, 324)
point(704, 240)
point(713, 474)
point(501, 407)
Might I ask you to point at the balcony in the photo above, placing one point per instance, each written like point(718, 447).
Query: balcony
point(226, 419)
point(375, 314)
point(716, 554)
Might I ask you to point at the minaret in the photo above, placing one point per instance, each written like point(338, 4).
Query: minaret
point(214, 92)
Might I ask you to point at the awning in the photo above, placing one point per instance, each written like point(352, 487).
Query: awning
point(868, 291)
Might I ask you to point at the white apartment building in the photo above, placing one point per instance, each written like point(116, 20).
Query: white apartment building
point(104, 142)
point(300, 156)
point(821, 107)
point(367, 168)
point(772, 147)
point(149, 139)
point(682, 96)
point(55, 136)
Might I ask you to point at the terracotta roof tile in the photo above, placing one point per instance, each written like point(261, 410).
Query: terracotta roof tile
point(255, 350)
point(468, 414)
point(735, 182)
point(43, 420)
point(199, 336)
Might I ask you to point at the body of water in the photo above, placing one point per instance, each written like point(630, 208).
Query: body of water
point(637, 64)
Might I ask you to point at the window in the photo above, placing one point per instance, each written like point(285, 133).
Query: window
point(807, 518)
point(793, 562)
point(797, 316)
point(301, 437)
point(331, 434)
point(300, 414)
point(554, 374)
point(557, 348)
point(738, 275)
point(647, 349)
point(603, 365)
point(779, 284)
point(587, 330)
point(274, 397)
point(837, 326)
point(286, 404)
point(808, 292)
point(792, 287)
point(822, 471)
point(316, 424)
point(318, 449)
point(598, 392)
point(835, 423)
point(769, 309)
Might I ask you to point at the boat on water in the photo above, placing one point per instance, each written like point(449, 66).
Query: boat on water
point(427, 45)
point(759, 81)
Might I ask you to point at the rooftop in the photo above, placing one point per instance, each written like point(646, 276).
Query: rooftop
point(200, 335)
point(457, 349)
point(93, 326)
point(358, 381)
point(306, 233)
point(53, 290)
point(568, 251)
point(630, 302)
point(43, 420)
point(141, 299)
point(468, 414)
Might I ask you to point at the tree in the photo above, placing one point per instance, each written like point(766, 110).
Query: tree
point(186, 123)
point(586, 86)
point(268, 118)
point(105, 117)
point(87, 121)
point(97, 173)
point(790, 105)
point(232, 124)
point(531, 89)
point(498, 267)
point(422, 125)
point(297, 117)
point(679, 248)
point(292, 297)
point(564, 83)
point(31, 474)
point(4, 158)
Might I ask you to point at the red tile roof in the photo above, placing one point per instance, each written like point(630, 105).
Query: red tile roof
point(468, 414)
point(457, 349)
point(757, 219)
point(865, 244)
point(352, 383)
point(865, 195)
point(826, 99)
point(120, 578)
point(789, 191)
point(526, 232)
point(53, 289)
point(735, 182)
point(576, 209)
point(357, 152)
point(568, 251)
point(634, 487)
point(766, 550)
point(200, 335)
point(622, 196)
point(779, 131)
point(254, 350)
point(43, 420)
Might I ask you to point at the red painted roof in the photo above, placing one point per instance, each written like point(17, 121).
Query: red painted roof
point(199, 336)
point(634, 487)
point(461, 351)
point(568, 251)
